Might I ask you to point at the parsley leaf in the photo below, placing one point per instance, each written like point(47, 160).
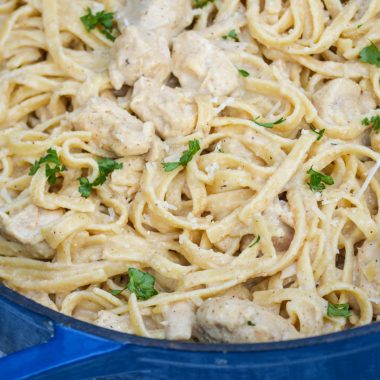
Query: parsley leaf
point(371, 55)
point(52, 168)
point(85, 187)
point(140, 283)
point(250, 323)
point(255, 242)
point(244, 73)
point(232, 35)
point(202, 3)
point(338, 310)
point(101, 20)
point(106, 166)
point(186, 157)
point(319, 133)
point(269, 125)
point(374, 121)
point(319, 180)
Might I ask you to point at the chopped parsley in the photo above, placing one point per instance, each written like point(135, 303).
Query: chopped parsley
point(202, 3)
point(268, 125)
point(101, 20)
point(106, 166)
point(319, 133)
point(244, 73)
point(371, 55)
point(250, 323)
point(52, 168)
point(374, 121)
point(140, 283)
point(186, 157)
point(232, 35)
point(338, 310)
point(319, 180)
point(255, 242)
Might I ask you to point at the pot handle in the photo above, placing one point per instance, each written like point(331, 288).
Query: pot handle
point(34, 344)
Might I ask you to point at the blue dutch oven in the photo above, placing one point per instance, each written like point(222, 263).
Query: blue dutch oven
point(42, 344)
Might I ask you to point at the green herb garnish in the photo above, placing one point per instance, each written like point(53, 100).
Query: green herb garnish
point(255, 242)
point(338, 310)
point(232, 35)
point(244, 73)
point(268, 125)
point(319, 133)
point(52, 168)
point(319, 180)
point(101, 20)
point(202, 3)
point(250, 323)
point(140, 283)
point(371, 55)
point(106, 166)
point(186, 157)
point(374, 121)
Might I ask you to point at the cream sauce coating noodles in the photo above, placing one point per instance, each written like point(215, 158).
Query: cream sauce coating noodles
point(268, 231)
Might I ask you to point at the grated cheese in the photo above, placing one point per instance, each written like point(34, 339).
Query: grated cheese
point(210, 169)
point(218, 147)
point(97, 7)
point(368, 180)
point(111, 213)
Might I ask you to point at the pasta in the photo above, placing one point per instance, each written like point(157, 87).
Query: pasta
point(193, 171)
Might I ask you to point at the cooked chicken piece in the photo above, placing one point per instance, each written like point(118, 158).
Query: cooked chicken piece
point(368, 262)
point(172, 110)
point(200, 65)
point(238, 291)
point(166, 18)
point(139, 53)
point(127, 180)
point(179, 319)
point(375, 141)
point(114, 129)
point(340, 101)
point(25, 226)
point(113, 321)
point(40, 297)
point(280, 220)
point(232, 320)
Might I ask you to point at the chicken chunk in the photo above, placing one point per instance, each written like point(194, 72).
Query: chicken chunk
point(25, 227)
point(114, 129)
point(375, 140)
point(341, 101)
point(200, 65)
point(113, 321)
point(167, 18)
point(179, 319)
point(126, 181)
point(280, 219)
point(139, 53)
point(368, 262)
point(238, 291)
point(172, 110)
point(232, 320)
